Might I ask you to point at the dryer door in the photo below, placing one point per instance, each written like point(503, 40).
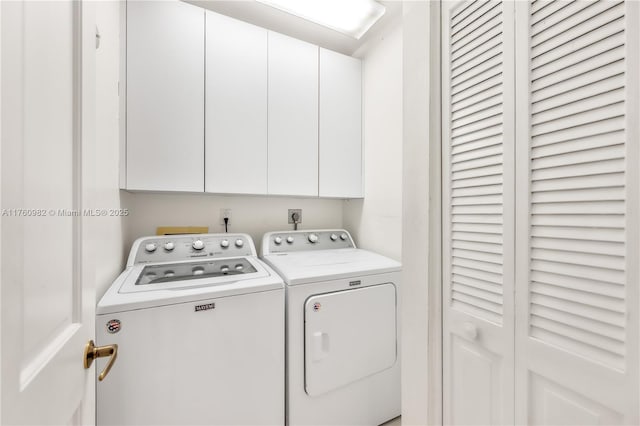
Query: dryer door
point(349, 335)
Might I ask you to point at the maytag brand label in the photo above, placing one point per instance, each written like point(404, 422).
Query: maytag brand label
point(354, 283)
point(205, 307)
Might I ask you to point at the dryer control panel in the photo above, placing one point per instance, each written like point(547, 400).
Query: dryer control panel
point(172, 248)
point(306, 240)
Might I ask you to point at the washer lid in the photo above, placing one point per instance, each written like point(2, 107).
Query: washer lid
point(125, 295)
point(166, 273)
point(190, 274)
point(323, 265)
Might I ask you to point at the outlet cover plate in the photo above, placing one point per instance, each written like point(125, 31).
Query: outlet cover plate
point(225, 213)
point(291, 212)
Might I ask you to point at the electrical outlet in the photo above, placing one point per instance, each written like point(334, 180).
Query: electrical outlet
point(225, 213)
point(290, 215)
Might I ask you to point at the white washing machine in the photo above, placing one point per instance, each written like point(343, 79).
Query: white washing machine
point(343, 365)
point(199, 321)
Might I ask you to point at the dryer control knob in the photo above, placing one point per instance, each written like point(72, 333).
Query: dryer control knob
point(150, 248)
point(333, 237)
point(198, 245)
point(290, 239)
point(239, 243)
point(313, 238)
point(169, 246)
point(224, 243)
point(277, 240)
point(343, 237)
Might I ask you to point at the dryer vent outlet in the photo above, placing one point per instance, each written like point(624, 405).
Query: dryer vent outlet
point(298, 216)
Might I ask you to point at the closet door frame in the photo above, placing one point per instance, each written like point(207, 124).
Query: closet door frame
point(422, 242)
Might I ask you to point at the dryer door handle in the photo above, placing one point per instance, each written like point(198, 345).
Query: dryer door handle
point(320, 346)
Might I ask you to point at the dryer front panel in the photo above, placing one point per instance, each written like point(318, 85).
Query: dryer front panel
point(349, 335)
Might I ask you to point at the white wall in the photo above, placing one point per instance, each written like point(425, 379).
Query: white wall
point(250, 214)
point(109, 229)
point(376, 220)
point(421, 395)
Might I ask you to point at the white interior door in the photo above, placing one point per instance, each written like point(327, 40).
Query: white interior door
point(478, 212)
point(577, 212)
point(47, 305)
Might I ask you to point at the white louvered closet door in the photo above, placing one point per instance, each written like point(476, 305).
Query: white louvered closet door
point(478, 212)
point(577, 212)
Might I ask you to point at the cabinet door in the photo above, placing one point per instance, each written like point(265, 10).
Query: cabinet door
point(478, 212)
point(293, 116)
point(340, 126)
point(165, 96)
point(577, 213)
point(236, 107)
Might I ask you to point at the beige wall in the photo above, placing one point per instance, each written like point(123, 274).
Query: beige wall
point(376, 221)
point(250, 214)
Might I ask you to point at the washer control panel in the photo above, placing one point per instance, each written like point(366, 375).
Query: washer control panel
point(174, 248)
point(322, 239)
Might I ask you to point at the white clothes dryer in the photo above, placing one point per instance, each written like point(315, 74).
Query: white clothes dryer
point(199, 321)
point(343, 365)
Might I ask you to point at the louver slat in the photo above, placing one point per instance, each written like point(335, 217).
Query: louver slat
point(476, 160)
point(577, 171)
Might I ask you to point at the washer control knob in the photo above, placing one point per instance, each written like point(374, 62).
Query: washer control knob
point(343, 237)
point(290, 239)
point(333, 237)
point(224, 243)
point(150, 248)
point(169, 246)
point(313, 238)
point(198, 245)
point(277, 240)
point(239, 243)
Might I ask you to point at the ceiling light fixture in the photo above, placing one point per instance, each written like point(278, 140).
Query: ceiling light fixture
point(350, 17)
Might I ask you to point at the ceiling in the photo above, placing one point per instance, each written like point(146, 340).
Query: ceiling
point(277, 20)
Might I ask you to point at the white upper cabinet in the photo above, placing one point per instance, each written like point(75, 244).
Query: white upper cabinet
point(340, 126)
point(293, 116)
point(236, 107)
point(213, 104)
point(165, 96)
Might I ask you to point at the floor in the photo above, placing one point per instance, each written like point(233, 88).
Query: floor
point(395, 422)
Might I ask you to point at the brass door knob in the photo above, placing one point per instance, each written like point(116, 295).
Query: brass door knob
point(91, 352)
